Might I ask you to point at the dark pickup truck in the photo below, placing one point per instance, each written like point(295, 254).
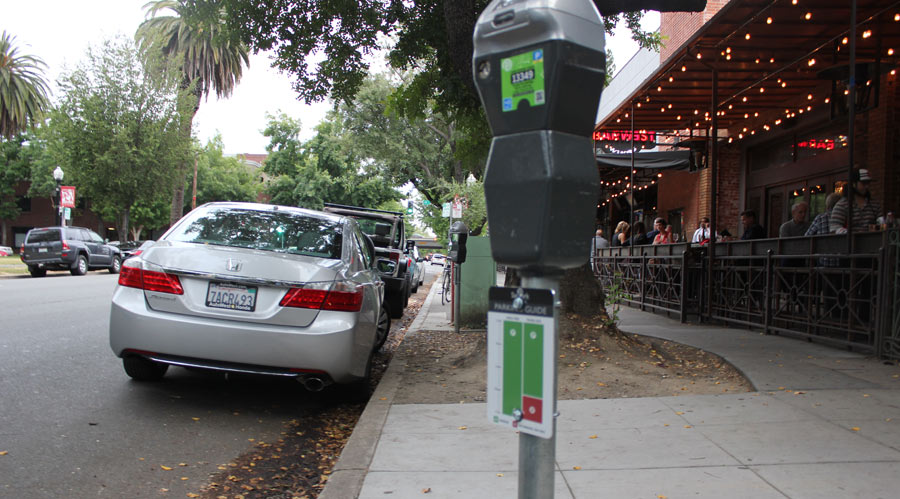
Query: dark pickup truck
point(388, 233)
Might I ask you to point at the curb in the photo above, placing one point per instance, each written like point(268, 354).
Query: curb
point(350, 471)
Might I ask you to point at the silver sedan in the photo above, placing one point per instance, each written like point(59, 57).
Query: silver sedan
point(253, 288)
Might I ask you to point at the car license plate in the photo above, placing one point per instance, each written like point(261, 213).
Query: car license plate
point(42, 250)
point(231, 297)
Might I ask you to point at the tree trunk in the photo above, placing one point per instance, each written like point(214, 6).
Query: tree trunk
point(579, 290)
point(178, 195)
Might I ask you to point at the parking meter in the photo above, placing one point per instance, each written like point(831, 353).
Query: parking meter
point(539, 66)
point(459, 233)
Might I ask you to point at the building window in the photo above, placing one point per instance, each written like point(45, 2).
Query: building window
point(773, 154)
point(24, 204)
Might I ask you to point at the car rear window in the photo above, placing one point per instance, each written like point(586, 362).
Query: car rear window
point(43, 236)
point(284, 232)
point(379, 230)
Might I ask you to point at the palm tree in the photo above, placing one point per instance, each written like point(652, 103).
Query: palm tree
point(23, 91)
point(208, 58)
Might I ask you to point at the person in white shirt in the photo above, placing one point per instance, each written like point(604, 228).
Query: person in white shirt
point(702, 233)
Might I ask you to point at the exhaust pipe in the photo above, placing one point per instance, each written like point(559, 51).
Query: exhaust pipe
point(312, 383)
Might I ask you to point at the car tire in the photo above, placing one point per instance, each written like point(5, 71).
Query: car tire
point(415, 288)
point(36, 272)
point(116, 265)
point(382, 328)
point(80, 267)
point(141, 369)
point(395, 304)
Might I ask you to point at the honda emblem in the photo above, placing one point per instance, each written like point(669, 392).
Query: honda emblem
point(233, 265)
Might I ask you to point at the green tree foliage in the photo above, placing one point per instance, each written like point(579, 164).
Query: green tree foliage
point(323, 169)
point(23, 91)
point(118, 131)
point(221, 178)
point(432, 36)
point(17, 155)
point(208, 57)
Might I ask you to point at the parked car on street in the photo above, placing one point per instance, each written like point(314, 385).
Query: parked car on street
point(75, 249)
point(6, 251)
point(253, 288)
point(419, 276)
point(388, 233)
point(438, 259)
point(131, 248)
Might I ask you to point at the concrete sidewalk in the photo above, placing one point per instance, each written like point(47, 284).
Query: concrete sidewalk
point(825, 423)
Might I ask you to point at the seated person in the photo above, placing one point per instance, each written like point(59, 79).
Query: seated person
point(752, 230)
point(664, 235)
point(797, 225)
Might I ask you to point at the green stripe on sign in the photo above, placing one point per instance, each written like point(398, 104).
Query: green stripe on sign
point(534, 360)
point(512, 366)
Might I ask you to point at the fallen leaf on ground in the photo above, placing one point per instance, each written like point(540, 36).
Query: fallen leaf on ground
point(165, 467)
point(499, 474)
point(3, 452)
point(463, 427)
point(592, 436)
point(576, 467)
point(855, 428)
point(426, 491)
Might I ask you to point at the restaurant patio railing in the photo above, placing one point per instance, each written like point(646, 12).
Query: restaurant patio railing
point(809, 287)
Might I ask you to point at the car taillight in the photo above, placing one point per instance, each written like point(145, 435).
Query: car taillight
point(65, 245)
point(150, 280)
point(341, 296)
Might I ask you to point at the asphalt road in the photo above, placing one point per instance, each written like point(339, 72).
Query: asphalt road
point(72, 424)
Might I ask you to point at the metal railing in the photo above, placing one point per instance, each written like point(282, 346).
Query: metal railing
point(809, 287)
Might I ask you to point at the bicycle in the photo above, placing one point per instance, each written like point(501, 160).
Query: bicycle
point(446, 282)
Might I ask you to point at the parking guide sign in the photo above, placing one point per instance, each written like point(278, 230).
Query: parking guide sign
point(521, 374)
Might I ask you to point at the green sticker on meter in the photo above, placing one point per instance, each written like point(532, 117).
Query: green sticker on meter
point(522, 78)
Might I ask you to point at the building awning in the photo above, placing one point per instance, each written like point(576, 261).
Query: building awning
point(771, 57)
point(661, 160)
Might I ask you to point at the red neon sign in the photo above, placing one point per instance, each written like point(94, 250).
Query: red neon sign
point(826, 144)
point(624, 136)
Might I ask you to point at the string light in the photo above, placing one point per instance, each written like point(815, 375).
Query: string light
point(896, 17)
point(671, 79)
point(768, 20)
point(772, 60)
point(867, 33)
point(747, 36)
point(890, 51)
point(683, 69)
point(638, 104)
point(793, 2)
point(762, 90)
point(659, 88)
point(845, 40)
point(783, 84)
point(728, 57)
point(727, 50)
point(744, 99)
point(757, 60)
point(811, 62)
point(699, 56)
point(827, 100)
point(809, 97)
point(808, 16)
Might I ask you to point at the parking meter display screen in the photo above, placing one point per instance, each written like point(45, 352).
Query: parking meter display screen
point(522, 79)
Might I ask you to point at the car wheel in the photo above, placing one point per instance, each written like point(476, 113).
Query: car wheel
point(36, 272)
point(116, 265)
point(395, 304)
point(141, 369)
point(383, 327)
point(80, 267)
point(415, 289)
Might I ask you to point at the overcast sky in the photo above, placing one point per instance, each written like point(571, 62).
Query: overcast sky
point(59, 32)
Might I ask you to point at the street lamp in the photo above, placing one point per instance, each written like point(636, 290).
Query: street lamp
point(58, 176)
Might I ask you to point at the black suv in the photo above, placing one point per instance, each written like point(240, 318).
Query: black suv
point(387, 231)
point(75, 249)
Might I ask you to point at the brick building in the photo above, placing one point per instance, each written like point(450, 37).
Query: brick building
point(779, 74)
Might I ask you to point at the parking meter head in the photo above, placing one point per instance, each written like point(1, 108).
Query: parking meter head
point(539, 64)
point(459, 234)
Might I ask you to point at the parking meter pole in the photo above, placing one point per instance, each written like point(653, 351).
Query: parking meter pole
point(456, 293)
point(537, 456)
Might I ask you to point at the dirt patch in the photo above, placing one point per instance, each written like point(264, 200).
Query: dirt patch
point(594, 363)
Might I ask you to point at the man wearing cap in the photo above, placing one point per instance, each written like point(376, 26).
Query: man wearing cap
point(865, 209)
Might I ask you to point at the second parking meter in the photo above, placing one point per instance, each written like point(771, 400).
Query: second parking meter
point(540, 67)
point(459, 233)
